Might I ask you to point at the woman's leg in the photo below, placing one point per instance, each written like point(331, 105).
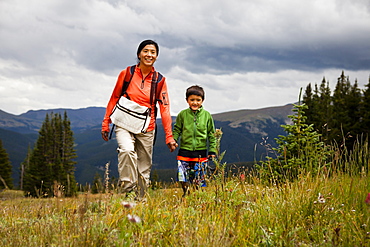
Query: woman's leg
point(144, 150)
point(127, 159)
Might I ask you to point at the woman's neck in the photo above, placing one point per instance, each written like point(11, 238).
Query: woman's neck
point(145, 70)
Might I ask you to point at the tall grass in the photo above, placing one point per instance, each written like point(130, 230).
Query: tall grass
point(325, 209)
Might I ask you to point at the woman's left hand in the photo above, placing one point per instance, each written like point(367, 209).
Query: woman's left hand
point(172, 146)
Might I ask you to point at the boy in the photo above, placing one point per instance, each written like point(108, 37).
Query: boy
point(195, 127)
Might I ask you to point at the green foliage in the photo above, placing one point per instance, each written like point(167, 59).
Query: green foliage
point(311, 211)
point(340, 117)
point(299, 151)
point(49, 167)
point(97, 186)
point(6, 181)
point(219, 173)
point(365, 109)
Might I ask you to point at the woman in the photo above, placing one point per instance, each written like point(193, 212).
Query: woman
point(135, 150)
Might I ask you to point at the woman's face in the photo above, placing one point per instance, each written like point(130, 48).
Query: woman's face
point(148, 55)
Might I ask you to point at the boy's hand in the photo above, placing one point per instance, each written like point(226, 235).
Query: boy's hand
point(172, 146)
point(211, 157)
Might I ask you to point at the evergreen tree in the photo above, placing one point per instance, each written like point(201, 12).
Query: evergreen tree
point(365, 110)
point(324, 111)
point(300, 150)
point(345, 116)
point(309, 98)
point(318, 105)
point(6, 180)
point(50, 168)
point(354, 100)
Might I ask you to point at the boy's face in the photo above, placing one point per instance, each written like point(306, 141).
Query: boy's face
point(195, 102)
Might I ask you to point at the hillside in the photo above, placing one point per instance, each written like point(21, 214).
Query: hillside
point(30, 122)
point(244, 131)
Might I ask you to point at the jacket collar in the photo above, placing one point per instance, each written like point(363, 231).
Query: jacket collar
point(197, 111)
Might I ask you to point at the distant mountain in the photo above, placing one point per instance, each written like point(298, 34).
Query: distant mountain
point(31, 121)
point(243, 130)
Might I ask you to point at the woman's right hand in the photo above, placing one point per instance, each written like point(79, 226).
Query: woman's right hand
point(104, 135)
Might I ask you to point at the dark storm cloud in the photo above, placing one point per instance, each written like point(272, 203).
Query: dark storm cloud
point(265, 59)
point(264, 49)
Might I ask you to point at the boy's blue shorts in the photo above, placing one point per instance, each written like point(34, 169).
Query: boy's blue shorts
point(192, 172)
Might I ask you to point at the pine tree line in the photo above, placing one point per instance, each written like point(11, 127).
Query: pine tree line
point(48, 169)
point(6, 181)
point(339, 117)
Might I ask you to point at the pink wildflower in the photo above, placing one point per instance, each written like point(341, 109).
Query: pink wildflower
point(367, 200)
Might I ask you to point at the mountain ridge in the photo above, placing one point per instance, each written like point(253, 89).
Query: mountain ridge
point(243, 131)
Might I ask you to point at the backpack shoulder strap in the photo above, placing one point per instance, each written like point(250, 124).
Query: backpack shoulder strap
point(160, 77)
point(159, 85)
point(128, 76)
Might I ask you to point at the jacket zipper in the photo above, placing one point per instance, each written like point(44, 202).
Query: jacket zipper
point(143, 79)
point(195, 130)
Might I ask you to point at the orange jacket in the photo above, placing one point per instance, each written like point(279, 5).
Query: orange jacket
point(139, 91)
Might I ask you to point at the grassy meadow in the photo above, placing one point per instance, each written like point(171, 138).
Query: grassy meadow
point(237, 211)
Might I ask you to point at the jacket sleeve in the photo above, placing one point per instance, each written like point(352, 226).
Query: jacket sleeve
point(177, 128)
point(211, 135)
point(164, 107)
point(116, 94)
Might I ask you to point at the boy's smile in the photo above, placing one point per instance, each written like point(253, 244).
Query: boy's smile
point(195, 102)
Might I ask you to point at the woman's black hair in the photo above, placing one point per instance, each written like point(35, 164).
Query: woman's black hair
point(145, 43)
point(195, 90)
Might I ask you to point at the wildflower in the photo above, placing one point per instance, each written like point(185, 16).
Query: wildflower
point(321, 198)
point(367, 200)
point(134, 218)
point(218, 133)
point(242, 177)
point(128, 204)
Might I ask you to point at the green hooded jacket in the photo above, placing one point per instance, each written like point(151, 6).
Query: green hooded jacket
point(194, 130)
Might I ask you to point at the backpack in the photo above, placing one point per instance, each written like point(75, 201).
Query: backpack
point(153, 92)
point(128, 77)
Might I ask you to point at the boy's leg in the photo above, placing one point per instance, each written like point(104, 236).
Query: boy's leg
point(185, 188)
point(183, 176)
point(127, 159)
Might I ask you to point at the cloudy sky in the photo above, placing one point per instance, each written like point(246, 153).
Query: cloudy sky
point(247, 54)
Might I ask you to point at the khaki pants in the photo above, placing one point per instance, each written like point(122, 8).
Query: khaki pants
point(134, 160)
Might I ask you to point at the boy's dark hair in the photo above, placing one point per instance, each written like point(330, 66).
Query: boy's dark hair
point(145, 43)
point(195, 90)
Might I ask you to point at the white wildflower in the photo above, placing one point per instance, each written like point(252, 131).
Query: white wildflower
point(128, 204)
point(134, 218)
point(321, 198)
